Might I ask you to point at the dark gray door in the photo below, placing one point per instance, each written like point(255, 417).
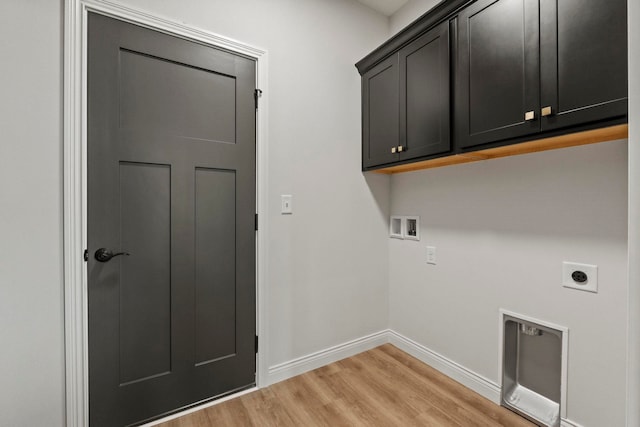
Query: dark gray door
point(171, 181)
point(497, 78)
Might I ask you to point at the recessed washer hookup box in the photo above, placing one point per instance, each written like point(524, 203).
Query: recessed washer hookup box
point(532, 371)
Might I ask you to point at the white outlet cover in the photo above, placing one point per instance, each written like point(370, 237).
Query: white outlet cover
point(590, 285)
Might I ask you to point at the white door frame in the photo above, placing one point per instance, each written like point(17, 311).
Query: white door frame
point(75, 185)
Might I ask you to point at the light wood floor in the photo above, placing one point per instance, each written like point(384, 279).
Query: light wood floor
point(381, 387)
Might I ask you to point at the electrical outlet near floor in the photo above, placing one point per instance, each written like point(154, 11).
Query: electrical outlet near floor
point(583, 277)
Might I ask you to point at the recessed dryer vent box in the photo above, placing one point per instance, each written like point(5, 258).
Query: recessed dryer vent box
point(533, 370)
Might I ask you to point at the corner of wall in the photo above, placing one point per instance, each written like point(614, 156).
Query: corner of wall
point(411, 11)
point(633, 239)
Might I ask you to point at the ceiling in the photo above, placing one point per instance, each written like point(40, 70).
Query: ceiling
point(386, 7)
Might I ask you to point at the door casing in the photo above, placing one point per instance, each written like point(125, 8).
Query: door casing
point(75, 185)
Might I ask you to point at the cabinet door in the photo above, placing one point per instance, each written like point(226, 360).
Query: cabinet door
point(425, 95)
point(380, 115)
point(497, 78)
point(583, 49)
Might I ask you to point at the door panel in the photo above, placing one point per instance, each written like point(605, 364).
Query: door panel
point(145, 280)
point(215, 264)
point(380, 113)
point(425, 94)
point(583, 61)
point(186, 104)
point(171, 180)
point(498, 77)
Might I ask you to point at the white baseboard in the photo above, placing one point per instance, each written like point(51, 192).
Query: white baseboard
point(464, 376)
point(321, 358)
point(568, 423)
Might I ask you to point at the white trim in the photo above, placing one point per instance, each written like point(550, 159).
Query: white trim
point(464, 376)
point(633, 225)
point(262, 205)
point(321, 358)
point(568, 423)
point(199, 407)
point(75, 184)
point(564, 357)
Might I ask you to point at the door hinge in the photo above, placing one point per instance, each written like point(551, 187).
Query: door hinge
point(256, 222)
point(257, 94)
point(86, 255)
point(256, 344)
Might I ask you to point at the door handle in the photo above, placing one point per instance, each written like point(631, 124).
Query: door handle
point(105, 255)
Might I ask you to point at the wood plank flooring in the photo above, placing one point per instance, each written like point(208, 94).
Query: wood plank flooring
point(380, 387)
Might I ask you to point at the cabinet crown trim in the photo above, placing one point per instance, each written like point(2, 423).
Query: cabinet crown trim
point(443, 10)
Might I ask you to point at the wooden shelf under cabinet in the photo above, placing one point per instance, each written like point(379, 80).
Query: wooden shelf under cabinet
point(610, 133)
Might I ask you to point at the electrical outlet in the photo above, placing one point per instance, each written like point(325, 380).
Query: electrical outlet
point(583, 277)
point(431, 255)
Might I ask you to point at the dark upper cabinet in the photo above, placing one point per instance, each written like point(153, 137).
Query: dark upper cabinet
point(527, 66)
point(425, 95)
point(497, 73)
point(522, 70)
point(406, 102)
point(583, 61)
point(380, 113)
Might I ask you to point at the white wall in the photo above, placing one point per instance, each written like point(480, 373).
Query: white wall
point(502, 229)
point(31, 313)
point(408, 13)
point(328, 272)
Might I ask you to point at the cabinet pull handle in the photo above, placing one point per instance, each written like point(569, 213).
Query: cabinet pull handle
point(529, 115)
point(393, 150)
point(400, 148)
point(546, 111)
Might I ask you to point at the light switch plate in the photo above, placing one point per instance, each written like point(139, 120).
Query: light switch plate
point(591, 272)
point(431, 255)
point(287, 204)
